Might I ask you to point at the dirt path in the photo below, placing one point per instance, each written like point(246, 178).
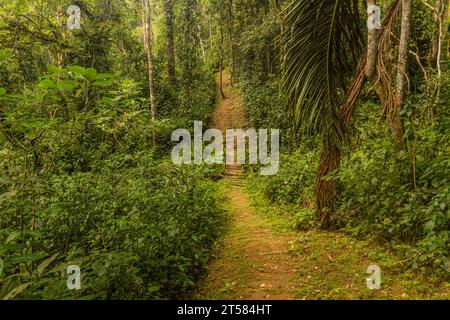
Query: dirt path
point(254, 262)
point(229, 113)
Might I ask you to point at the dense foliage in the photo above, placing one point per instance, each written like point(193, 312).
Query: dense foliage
point(86, 118)
point(81, 181)
point(398, 197)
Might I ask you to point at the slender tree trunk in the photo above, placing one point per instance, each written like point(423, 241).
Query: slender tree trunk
point(231, 39)
point(168, 8)
point(372, 51)
point(60, 55)
point(395, 119)
point(436, 44)
point(210, 31)
point(281, 20)
point(146, 19)
point(221, 50)
point(201, 42)
point(440, 14)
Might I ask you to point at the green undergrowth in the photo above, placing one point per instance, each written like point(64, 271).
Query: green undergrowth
point(333, 265)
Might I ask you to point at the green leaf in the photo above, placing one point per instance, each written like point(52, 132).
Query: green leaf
point(16, 291)
point(26, 258)
point(7, 248)
point(5, 54)
point(2, 91)
point(429, 226)
point(55, 70)
point(90, 74)
point(46, 263)
point(101, 83)
point(77, 70)
point(153, 289)
point(48, 84)
point(68, 85)
point(322, 46)
point(104, 76)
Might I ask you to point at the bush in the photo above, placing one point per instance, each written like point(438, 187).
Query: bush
point(292, 188)
point(136, 233)
point(96, 192)
point(380, 201)
point(266, 108)
point(294, 182)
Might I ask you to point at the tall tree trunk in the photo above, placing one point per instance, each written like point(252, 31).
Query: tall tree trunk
point(372, 51)
point(146, 21)
point(281, 20)
point(395, 119)
point(325, 190)
point(436, 45)
point(440, 14)
point(61, 55)
point(372, 72)
point(210, 31)
point(231, 39)
point(221, 50)
point(189, 42)
point(168, 8)
point(201, 42)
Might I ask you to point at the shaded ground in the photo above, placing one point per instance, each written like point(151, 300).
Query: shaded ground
point(261, 257)
point(229, 113)
point(254, 263)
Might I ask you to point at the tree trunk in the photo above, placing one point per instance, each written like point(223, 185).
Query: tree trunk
point(436, 44)
point(231, 31)
point(146, 19)
point(395, 119)
point(372, 51)
point(60, 54)
point(440, 14)
point(326, 188)
point(221, 50)
point(372, 72)
point(281, 20)
point(168, 8)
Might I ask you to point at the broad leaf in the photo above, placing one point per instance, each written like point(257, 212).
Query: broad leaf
point(90, 74)
point(77, 70)
point(48, 84)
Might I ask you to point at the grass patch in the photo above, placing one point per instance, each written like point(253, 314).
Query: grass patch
point(333, 265)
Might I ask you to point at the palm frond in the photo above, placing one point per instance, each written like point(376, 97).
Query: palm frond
point(323, 44)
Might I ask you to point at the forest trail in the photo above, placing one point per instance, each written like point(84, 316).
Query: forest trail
point(261, 257)
point(254, 262)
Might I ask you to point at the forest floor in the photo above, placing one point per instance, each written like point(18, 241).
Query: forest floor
point(262, 257)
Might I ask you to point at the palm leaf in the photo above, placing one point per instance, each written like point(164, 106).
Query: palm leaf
point(323, 44)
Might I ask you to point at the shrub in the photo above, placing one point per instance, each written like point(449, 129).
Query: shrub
point(136, 233)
